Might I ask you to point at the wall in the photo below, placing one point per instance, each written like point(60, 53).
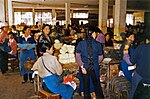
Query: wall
point(2, 17)
point(138, 17)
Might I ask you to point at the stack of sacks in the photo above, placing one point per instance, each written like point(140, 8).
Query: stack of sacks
point(57, 44)
point(67, 54)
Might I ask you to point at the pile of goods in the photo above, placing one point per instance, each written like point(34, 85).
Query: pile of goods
point(66, 57)
point(67, 54)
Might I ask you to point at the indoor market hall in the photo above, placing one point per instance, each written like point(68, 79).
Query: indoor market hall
point(74, 49)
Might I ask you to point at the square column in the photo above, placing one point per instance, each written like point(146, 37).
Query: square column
point(33, 15)
point(2, 12)
point(67, 13)
point(103, 15)
point(120, 18)
point(53, 16)
point(10, 12)
point(6, 11)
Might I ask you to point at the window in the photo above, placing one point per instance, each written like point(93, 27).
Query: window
point(23, 17)
point(26, 17)
point(80, 15)
point(129, 19)
point(38, 17)
point(84, 21)
point(46, 18)
point(62, 22)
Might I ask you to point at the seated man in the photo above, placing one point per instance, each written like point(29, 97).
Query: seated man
point(49, 69)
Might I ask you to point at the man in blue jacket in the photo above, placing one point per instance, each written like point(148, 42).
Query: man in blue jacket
point(141, 77)
point(88, 55)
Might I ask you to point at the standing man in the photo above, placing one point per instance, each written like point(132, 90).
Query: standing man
point(3, 48)
point(88, 56)
point(141, 78)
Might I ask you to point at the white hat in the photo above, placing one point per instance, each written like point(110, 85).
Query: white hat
point(3, 24)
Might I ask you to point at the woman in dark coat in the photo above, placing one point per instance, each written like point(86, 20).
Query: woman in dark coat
point(44, 40)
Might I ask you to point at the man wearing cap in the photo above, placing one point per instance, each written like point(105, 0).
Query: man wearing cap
point(141, 78)
point(88, 55)
point(4, 52)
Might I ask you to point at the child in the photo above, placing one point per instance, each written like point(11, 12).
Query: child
point(13, 45)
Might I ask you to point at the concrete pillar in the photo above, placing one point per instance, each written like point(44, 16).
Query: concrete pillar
point(41, 23)
point(10, 12)
point(67, 13)
point(2, 12)
point(113, 12)
point(6, 10)
point(33, 15)
point(120, 18)
point(103, 15)
point(53, 16)
point(13, 16)
point(71, 13)
point(147, 23)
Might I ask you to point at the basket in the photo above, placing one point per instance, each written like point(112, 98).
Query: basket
point(28, 65)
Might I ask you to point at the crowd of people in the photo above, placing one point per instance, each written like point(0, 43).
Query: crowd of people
point(89, 53)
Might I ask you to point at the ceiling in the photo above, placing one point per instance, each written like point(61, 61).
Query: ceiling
point(59, 1)
point(132, 5)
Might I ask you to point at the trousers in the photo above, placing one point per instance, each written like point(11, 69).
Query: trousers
point(96, 83)
point(3, 61)
point(142, 92)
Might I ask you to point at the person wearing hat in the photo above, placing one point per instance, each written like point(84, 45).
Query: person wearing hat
point(4, 48)
point(140, 88)
point(49, 69)
point(27, 45)
point(88, 56)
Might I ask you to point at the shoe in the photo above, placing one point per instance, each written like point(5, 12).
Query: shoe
point(31, 81)
point(5, 74)
point(23, 82)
